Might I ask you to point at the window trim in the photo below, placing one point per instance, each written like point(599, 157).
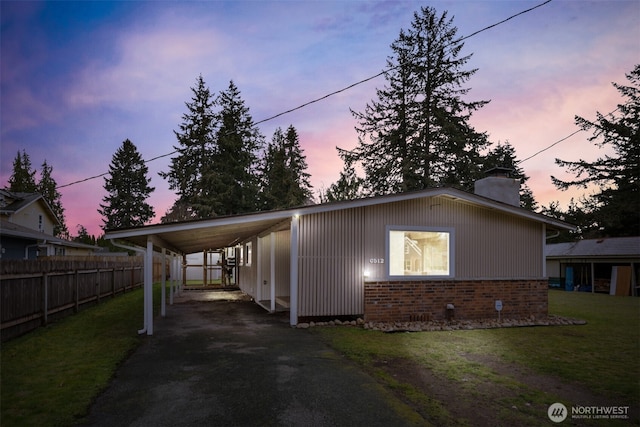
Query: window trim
point(452, 250)
point(249, 248)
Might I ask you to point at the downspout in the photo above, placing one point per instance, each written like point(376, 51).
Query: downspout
point(143, 252)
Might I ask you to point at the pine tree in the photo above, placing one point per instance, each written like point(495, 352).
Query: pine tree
point(128, 188)
point(417, 133)
point(22, 179)
point(285, 180)
point(48, 188)
point(615, 207)
point(232, 180)
point(196, 150)
point(504, 155)
point(349, 185)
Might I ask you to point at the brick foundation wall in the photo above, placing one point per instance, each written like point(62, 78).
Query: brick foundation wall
point(473, 299)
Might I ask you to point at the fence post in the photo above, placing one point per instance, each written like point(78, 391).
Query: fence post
point(98, 286)
point(45, 298)
point(77, 291)
point(113, 282)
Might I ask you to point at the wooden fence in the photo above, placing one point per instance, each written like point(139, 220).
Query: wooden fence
point(35, 292)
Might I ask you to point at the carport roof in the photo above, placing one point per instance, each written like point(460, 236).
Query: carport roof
point(220, 232)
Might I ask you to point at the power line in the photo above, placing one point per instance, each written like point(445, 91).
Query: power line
point(344, 89)
point(559, 141)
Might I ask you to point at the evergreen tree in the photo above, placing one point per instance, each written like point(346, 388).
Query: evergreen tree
point(417, 133)
point(22, 180)
point(196, 149)
point(128, 188)
point(615, 208)
point(285, 180)
point(349, 185)
point(232, 180)
point(179, 211)
point(48, 188)
point(84, 236)
point(504, 155)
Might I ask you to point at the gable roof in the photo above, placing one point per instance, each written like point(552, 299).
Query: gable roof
point(596, 248)
point(225, 231)
point(15, 202)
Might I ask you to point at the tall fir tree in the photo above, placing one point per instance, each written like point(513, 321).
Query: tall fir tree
point(128, 189)
point(23, 177)
point(48, 188)
point(614, 209)
point(285, 179)
point(232, 181)
point(504, 155)
point(349, 185)
point(417, 133)
point(196, 149)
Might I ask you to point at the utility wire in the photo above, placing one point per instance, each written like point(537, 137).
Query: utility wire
point(344, 89)
point(559, 141)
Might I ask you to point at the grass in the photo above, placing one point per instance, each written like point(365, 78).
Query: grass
point(602, 356)
point(50, 376)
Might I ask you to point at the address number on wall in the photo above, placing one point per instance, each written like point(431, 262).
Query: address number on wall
point(376, 260)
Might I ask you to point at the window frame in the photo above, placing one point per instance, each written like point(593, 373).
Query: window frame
point(249, 248)
point(409, 228)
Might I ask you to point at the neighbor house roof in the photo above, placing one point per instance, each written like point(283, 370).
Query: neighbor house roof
point(15, 230)
point(220, 232)
point(612, 247)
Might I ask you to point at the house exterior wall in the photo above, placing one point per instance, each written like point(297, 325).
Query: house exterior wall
point(336, 248)
point(29, 217)
point(255, 279)
point(471, 299)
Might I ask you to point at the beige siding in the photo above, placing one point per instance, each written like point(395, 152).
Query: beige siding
point(488, 244)
point(249, 279)
point(247, 273)
point(331, 264)
point(29, 218)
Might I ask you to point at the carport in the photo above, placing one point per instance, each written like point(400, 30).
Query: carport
point(174, 240)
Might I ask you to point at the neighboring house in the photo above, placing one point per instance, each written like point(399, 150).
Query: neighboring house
point(398, 257)
point(594, 265)
point(26, 229)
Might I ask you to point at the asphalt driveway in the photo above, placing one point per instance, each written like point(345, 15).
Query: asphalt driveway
point(219, 360)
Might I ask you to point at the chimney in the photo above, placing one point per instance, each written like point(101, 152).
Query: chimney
point(497, 185)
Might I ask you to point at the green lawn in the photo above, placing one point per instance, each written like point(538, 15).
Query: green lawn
point(50, 376)
point(601, 356)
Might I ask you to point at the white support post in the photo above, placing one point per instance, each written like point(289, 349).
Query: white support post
point(173, 271)
point(258, 252)
point(272, 271)
point(293, 262)
point(163, 296)
point(148, 286)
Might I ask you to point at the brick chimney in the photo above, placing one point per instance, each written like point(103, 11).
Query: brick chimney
point(499, 186)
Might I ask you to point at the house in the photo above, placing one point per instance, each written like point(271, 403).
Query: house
point(594, 265)
point(397, 257)
point(26, 229)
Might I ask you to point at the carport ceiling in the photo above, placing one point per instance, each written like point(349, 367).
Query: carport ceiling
point(196, 236)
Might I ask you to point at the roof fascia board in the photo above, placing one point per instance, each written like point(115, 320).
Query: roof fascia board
point(159, 229)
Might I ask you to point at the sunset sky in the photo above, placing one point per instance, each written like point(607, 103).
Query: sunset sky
point(78, 78)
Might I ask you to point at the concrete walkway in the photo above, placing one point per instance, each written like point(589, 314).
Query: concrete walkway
point(218, 360)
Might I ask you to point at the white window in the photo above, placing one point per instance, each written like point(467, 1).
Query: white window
point(241, 260)
point(40, 223)
point(419, 252)
point(248, 247)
